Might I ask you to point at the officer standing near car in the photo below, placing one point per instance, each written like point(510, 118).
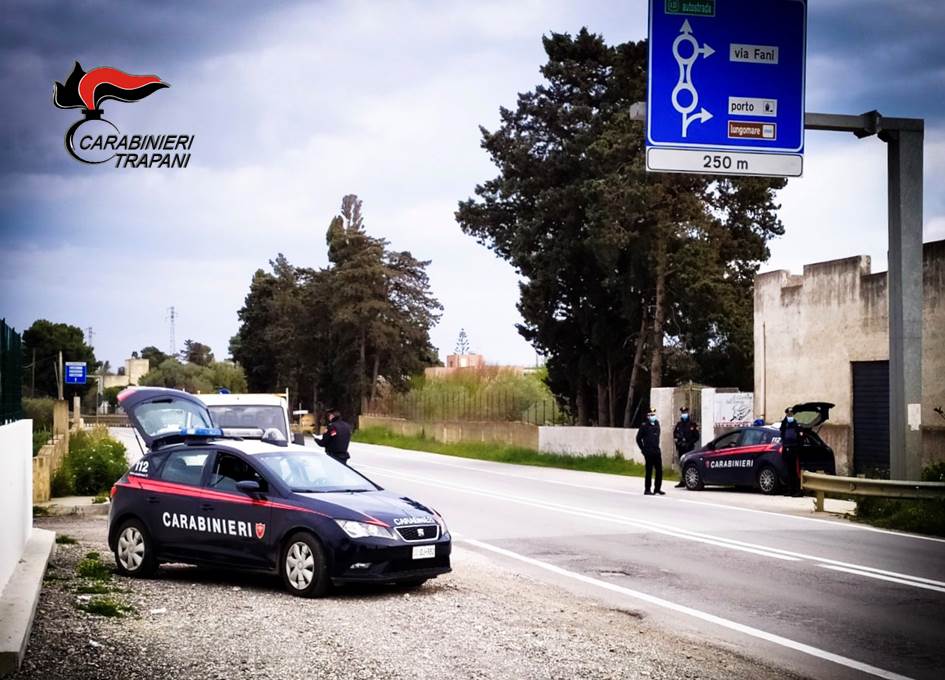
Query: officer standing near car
point(790, 442)
point(685, 436)
point(336, 438)
point(648, 439)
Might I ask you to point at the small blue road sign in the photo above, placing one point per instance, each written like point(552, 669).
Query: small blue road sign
point(75, 373)
point(726, 86)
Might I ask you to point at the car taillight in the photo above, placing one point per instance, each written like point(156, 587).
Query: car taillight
point(114, 490)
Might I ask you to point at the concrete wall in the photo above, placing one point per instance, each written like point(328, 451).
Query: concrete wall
point(809, 328)
point(16, 492)
point(578, 441)
point(588, 441)
point(50, 456)
point(509, 434)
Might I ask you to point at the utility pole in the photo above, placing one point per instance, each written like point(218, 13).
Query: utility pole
point(89, 334)
point(171, 316)
point(59, 377)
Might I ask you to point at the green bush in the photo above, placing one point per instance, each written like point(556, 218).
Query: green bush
point(920, 516)
point(934, 473)
point(92, 465)
point(40, 411)
point(40, 437)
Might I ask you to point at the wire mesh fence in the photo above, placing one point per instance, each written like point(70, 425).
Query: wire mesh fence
point(495, 406)
point(11, 374)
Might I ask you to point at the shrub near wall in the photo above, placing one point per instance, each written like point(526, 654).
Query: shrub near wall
point(94, 462)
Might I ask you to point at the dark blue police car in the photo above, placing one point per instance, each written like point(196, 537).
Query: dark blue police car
point(754, 456)
point(267, 505)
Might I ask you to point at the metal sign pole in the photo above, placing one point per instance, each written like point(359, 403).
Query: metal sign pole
point(904, 137)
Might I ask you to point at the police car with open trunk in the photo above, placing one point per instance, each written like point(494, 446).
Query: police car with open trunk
point(197, 497)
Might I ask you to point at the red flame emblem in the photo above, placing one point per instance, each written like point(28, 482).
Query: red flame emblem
point(260, 530)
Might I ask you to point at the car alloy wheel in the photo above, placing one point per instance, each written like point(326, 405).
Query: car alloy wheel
point(768, 480)
point(300, 565)
point(131, 549)
point(692, 478)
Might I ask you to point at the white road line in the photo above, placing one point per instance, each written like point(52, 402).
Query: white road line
point(724, 506)
point(870, 574)
point(695, 613)
point(730, 543)
point(591, 514)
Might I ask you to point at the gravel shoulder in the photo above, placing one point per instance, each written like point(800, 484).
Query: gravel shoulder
point(478, 622)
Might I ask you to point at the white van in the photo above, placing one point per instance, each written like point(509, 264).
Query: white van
point(250, 416)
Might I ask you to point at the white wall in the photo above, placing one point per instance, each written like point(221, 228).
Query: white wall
point(587, 441)
point(16, 493)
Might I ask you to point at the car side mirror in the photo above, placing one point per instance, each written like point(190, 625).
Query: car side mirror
point(298, 438)
point(248, 486)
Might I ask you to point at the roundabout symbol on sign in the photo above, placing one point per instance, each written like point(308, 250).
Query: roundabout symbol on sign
point(685, 63)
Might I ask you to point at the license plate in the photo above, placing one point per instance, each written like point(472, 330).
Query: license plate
point(424, 552)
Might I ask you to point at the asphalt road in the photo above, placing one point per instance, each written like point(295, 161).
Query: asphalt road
point(820, 597)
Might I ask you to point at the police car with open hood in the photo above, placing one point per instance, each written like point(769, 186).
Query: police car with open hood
point(197, 497)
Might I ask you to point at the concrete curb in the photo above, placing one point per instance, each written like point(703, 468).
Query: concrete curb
point(20, 597)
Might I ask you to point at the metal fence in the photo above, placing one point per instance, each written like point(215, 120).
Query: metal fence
point(11, 374)
point(859, 486)
point(493, 405)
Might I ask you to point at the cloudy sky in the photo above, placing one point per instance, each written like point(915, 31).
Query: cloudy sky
point(296, 104)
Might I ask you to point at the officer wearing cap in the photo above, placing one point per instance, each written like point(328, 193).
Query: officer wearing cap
point(685, 436)
point(648, 439)
point(336, 438)
point(791, 436)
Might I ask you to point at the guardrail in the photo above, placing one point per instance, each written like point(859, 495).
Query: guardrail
point(860, 486)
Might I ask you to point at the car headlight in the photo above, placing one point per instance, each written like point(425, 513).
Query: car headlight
point(442, 522)
point(364, 530)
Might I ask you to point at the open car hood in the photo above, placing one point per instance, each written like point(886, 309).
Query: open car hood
point(812, 414)
point(159, 414)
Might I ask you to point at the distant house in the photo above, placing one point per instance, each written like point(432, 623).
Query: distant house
point(134, 370)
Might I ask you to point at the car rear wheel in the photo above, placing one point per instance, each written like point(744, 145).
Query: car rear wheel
point(693, 478)
point(134, 550)
point(304, 567)
point(768, 480)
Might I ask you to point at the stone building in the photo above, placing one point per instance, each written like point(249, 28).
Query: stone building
point(135, 369)
point(823, 336)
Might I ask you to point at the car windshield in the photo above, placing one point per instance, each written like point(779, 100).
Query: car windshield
point(313, 472)
point(168, 416)
point(252, 421)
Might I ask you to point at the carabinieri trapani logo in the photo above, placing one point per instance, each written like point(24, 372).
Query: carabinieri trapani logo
point(97, 144)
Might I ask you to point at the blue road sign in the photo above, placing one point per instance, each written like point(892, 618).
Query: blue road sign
point(726, 86)
point(75, 373)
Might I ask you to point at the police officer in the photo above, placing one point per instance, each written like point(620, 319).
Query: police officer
point(336, 438)
point(648, 439)
point(791, 436)
point(685, 436)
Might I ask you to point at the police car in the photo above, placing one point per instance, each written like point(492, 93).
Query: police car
point(197, 497)
point(752, 456)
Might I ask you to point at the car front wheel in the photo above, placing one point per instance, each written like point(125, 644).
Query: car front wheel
point(768, 480)
point(304, 567)
point(693, 478)
point(134, 550)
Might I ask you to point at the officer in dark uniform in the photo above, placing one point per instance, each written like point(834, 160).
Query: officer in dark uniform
point(791, 439)
point(336, 438)
point(685, 436)
point(648, 439)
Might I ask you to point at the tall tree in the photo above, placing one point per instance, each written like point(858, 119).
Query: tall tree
point(339, 332)
point(154, 356)
point(43, 341)
point(196, 353)
point(619, 267)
